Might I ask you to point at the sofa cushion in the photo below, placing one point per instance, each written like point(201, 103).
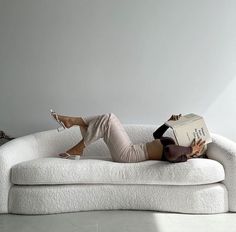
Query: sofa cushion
point(51, 170)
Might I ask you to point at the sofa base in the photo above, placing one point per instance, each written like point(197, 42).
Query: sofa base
point(198, 199)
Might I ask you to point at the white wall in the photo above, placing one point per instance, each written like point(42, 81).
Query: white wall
point(140, 59)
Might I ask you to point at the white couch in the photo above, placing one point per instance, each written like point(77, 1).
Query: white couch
point(34, 180)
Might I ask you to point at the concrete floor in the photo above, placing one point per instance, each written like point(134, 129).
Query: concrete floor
point(118, 221)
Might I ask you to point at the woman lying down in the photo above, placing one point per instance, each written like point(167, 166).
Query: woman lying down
point(109, 127)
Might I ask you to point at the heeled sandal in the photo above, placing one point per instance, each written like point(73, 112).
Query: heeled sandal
point(57, 119)
point(68, 156)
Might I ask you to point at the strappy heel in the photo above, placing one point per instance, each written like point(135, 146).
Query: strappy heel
point(57, 119)
point(68, 156)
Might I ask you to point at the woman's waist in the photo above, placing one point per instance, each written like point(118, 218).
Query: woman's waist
point(154, 149)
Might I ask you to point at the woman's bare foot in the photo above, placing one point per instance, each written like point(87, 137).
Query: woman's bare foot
point(76, 150)
point(68, 121)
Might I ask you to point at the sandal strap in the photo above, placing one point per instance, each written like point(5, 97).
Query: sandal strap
point(68, 154)
point(57, 119)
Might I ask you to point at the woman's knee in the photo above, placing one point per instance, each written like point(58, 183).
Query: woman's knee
point(109, 116)
point(112, 115)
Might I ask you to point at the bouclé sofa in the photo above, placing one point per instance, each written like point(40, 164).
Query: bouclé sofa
point(35, 180)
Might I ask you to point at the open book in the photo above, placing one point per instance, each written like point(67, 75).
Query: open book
point(188, 127)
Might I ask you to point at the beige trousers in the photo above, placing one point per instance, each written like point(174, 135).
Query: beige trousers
point(109, 127)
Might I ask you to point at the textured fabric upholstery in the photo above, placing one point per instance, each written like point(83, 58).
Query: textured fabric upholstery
point(205, 199)
point(224, 151)
point(53, 170)
point(49, 143)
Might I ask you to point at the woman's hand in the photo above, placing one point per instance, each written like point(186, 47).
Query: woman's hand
point(175, 117)
point(197, 147)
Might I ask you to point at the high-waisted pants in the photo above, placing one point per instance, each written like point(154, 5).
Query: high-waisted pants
point(109, 127)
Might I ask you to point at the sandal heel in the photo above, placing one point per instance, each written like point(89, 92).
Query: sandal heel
point(52, 112)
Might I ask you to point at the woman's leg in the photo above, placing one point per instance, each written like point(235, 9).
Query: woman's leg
point(94, 128)
point(84, 123)
point(120, 145)
point(77, 149)
point(109, 127)
point(71, 121)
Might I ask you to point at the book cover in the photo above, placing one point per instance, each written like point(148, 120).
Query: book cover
point(188, 127)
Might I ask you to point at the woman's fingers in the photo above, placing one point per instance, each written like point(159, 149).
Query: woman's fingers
point(201, 149)
point(198, 147)
point(178, 116)
point(175, 117)
point(199, 141)
point(194, 141)
point(202, 143)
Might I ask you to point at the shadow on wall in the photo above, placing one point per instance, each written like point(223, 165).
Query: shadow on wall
point(221, 114)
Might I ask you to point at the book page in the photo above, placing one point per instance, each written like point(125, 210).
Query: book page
point(187, 132)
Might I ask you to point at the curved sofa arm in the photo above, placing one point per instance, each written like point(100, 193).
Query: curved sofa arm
point(41, 144)
point(223, 150)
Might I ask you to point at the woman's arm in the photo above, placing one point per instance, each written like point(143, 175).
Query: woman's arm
point(174, 153)
point(160, 131)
